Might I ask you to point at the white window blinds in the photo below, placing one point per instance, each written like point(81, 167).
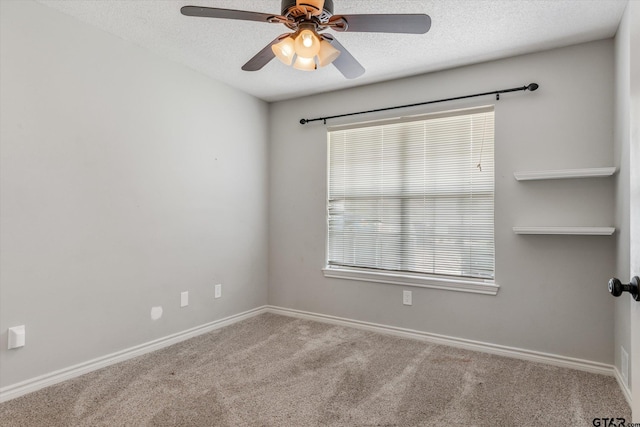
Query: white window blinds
point(414, 195)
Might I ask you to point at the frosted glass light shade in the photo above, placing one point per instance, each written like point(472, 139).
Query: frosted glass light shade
point(304, 64)
point(307, 44)
point(327, 53)
point(285, 50)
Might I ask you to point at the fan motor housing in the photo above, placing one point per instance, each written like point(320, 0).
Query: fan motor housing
point(327, 10)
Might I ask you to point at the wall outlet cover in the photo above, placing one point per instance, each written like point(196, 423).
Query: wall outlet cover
point(16, 337)
point(184, 299)
point(407, 298)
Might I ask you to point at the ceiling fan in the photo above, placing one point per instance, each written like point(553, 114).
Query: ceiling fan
point(307, 47)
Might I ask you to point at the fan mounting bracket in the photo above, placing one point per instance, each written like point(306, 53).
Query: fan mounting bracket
point(291, 10)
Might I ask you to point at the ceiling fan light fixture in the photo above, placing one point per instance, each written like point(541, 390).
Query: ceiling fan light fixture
point(307, 47)
point(327, 53)
point(307, 44)
point(285, 50)
point(305, 64)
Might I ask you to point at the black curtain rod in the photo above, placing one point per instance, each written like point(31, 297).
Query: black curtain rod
point(530, 87)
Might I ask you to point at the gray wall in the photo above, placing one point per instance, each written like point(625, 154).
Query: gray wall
point(622, 137)
point(553, 295)
point(125, 179)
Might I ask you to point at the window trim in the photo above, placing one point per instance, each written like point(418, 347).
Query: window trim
point(421, 280)
point(458, 284)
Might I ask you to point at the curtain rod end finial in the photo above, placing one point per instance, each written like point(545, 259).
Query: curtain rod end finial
point(532, 86)
point(303, 121)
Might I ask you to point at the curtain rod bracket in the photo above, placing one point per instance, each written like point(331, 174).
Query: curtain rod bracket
point(530, 87)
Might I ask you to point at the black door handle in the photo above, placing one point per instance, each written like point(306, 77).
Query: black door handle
point(616, 288)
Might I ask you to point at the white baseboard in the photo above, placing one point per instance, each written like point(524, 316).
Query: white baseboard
point(517, 353)
point(15, 390)
point(37, 383)
point(623, 385)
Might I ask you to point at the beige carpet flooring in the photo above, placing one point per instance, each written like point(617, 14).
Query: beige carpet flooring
point(273, 370)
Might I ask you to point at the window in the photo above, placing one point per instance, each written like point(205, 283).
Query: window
point(410, 201)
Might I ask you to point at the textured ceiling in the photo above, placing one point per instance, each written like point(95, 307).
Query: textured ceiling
point(462, 32)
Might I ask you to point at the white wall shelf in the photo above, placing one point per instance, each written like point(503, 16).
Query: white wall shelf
point(571, 231)
point(565, 174)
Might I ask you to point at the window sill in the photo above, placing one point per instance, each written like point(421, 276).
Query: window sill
point(478, 286)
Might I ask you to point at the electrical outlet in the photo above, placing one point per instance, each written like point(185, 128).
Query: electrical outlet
point(407, 298)
point(624, 365)
point(218, 291)
point(16, 337)
point(184, 299)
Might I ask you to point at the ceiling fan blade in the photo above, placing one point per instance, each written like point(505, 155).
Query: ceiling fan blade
point(345, 63)
point(214, 12)
point(263, 57)
point(418, 23)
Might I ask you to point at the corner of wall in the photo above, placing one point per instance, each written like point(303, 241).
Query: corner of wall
point(621, 138)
